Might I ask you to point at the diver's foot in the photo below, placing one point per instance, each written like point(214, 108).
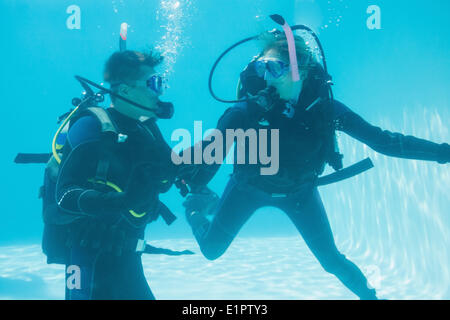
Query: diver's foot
point(370, 295)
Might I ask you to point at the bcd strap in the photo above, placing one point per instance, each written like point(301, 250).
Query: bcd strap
point(165, 213)
point(346, 173)
point(154, 250)
point(107, 143)
point(32, 158)
point(107, 125)
point(102, 169)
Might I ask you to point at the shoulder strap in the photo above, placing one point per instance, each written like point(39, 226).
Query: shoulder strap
point(107, 125)
point(109, 136)
point(165, 213)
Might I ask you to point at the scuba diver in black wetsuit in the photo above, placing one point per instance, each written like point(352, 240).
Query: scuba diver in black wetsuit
point(307, 116)
point(103, 179)
point(107, 151)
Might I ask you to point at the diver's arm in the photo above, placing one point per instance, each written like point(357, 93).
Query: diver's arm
point(73, 196)
point(77, 167)
point(387, 142)
point(199, 175)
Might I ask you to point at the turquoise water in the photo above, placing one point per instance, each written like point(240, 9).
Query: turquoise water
point(393, 221)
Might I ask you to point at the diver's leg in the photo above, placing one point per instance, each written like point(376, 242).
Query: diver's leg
point(233, 210)
point(121, 278)
point(310, 219)
point(92, 274)
point(80, 270)
point(133, 284)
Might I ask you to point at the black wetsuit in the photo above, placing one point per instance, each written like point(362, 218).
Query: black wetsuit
point(103, 232)
point(293, 188)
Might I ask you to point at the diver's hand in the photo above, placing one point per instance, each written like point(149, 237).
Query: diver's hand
point(106, 206)
point(203, 201)
point(265, 99)
point(187, 172)
point(444, 153)
point(109, 206)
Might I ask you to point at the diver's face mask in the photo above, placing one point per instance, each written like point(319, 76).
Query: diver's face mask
point(145, 93)
point(271, 68)
point(277, 73)
point(155, 84)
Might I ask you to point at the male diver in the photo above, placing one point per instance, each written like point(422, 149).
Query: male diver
point(298, 102)
point(114, 164)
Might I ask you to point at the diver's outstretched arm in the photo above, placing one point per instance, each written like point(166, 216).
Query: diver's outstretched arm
point(386, 142)
point(200, 174)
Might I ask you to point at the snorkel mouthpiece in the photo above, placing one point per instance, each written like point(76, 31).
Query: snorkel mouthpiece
point(123, 36)
point(291, 45)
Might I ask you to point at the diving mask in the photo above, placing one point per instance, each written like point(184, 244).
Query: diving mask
point(273, 68)
point(155, 83)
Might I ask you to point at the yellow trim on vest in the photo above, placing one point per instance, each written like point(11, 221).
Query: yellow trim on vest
point(117, 188)
point(238, 88)
point(137, 215)
point(54, 145)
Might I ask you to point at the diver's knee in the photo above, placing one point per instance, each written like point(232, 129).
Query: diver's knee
point(212, 252)
point(333, 263)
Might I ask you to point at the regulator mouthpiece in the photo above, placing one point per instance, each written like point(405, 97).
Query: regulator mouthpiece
point(165, 110)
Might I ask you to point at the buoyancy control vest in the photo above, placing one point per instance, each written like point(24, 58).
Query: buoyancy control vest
point(116, 141)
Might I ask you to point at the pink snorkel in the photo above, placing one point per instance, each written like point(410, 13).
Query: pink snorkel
point(291, 45)
point(123, 36)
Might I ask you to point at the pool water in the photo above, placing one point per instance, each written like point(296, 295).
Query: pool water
point(390, 64)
